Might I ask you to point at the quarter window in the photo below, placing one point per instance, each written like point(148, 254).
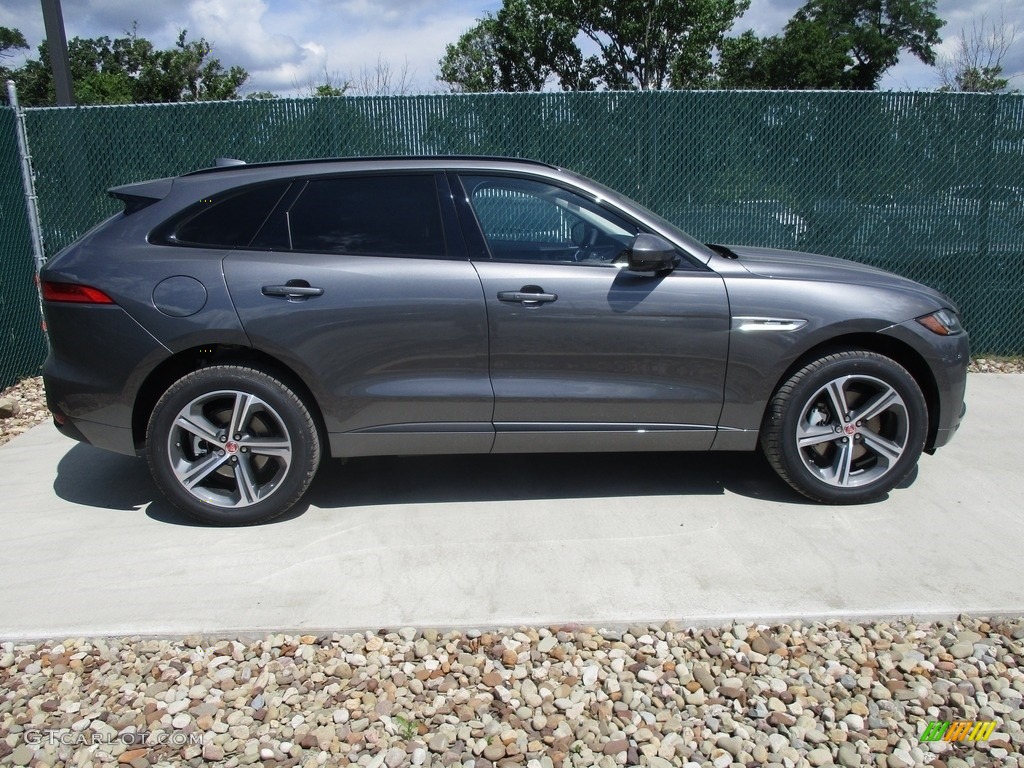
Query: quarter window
point(227, 220)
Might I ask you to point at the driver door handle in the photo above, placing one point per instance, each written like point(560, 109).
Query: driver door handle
point(528, 295)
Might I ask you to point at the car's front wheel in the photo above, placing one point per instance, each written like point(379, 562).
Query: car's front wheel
point(232, 445)
point(847, 428)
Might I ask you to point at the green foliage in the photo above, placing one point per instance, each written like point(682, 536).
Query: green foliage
point(518, 49)
point(976, 63)
point(807, 56)
point(131, 70)
point(406, 727)
point(470, 65)
point(873, 32)
point(325, 85)
point(845, 44)
point(326, 89)
point(651, 45)
point(10, 40)
point(641, 44)
point(979, 80)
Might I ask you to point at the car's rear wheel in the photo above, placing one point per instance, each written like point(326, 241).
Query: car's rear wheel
point(847, 428)
point(232, 445)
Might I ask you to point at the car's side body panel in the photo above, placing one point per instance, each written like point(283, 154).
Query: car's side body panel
point(618, 359)
point(93, 386)
point(394, 350)
point(871, 302)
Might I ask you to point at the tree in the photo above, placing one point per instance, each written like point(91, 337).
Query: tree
point(641, 45)
point(326, 85)
point(976, 64)
point(10, 40)
point(187, 73)
point(835, 44)
point(382, 80)
point(131, 70)
point(653, 44)
point(521, 48)
point(471, 65)
point(807, 56)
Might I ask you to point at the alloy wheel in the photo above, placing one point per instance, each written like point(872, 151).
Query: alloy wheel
point(229, 448)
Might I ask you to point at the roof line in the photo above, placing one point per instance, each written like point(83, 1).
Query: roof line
point(311, 161)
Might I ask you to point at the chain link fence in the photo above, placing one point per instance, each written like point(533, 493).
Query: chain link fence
point(22, 345)
point(928, 185)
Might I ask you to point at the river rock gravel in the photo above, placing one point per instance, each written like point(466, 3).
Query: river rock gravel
point(22, 406)
point(796, 694)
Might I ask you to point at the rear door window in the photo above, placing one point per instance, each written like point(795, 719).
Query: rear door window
point(389, 215)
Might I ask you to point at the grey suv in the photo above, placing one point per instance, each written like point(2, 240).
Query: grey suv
point(239, 324)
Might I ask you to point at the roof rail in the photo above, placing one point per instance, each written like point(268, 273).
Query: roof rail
point(235, 165)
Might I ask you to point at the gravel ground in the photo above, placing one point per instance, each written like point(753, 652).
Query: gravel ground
point(799, 694)
point(997, 365)
point(21, 408)
point(793, 694)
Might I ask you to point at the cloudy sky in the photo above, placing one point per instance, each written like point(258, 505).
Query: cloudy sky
point(286, 44)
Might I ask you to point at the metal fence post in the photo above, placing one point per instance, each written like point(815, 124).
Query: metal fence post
point(27, 178)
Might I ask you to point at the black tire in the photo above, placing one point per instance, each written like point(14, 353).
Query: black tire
point(846, 429)
point(213, 474)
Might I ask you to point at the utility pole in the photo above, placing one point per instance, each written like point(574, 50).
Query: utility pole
point(57, 43)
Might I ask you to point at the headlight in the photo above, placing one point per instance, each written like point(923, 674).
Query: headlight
point(944, 322)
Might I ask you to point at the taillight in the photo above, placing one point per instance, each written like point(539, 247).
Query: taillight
point(78, 294)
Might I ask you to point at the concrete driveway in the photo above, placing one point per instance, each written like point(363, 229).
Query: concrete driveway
point(90, 549)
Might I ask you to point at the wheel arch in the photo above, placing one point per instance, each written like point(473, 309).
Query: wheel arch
point(896, 350)
point(189, 360)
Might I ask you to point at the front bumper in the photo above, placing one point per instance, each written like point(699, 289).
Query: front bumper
point(944, 435)
point(947, 358)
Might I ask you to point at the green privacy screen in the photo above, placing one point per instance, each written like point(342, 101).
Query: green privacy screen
point(22, 346)
point(928, 185)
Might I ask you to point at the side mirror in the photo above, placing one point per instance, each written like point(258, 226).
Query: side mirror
point(651, 253)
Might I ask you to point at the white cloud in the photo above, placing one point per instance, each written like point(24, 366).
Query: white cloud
point(241, 36)
point(419, 46)
point(286, 46)
point(287, 42)
point(766, 18)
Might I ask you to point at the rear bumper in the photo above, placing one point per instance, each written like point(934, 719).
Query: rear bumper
point(99, 357)
point(110, 438)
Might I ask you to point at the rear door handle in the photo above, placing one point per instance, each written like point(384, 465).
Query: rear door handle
point(293, 290)
point(530, 295)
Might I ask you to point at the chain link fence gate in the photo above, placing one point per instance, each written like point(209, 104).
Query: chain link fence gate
point(929, 185)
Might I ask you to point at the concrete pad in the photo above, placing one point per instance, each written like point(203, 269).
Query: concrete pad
point(90, 548)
